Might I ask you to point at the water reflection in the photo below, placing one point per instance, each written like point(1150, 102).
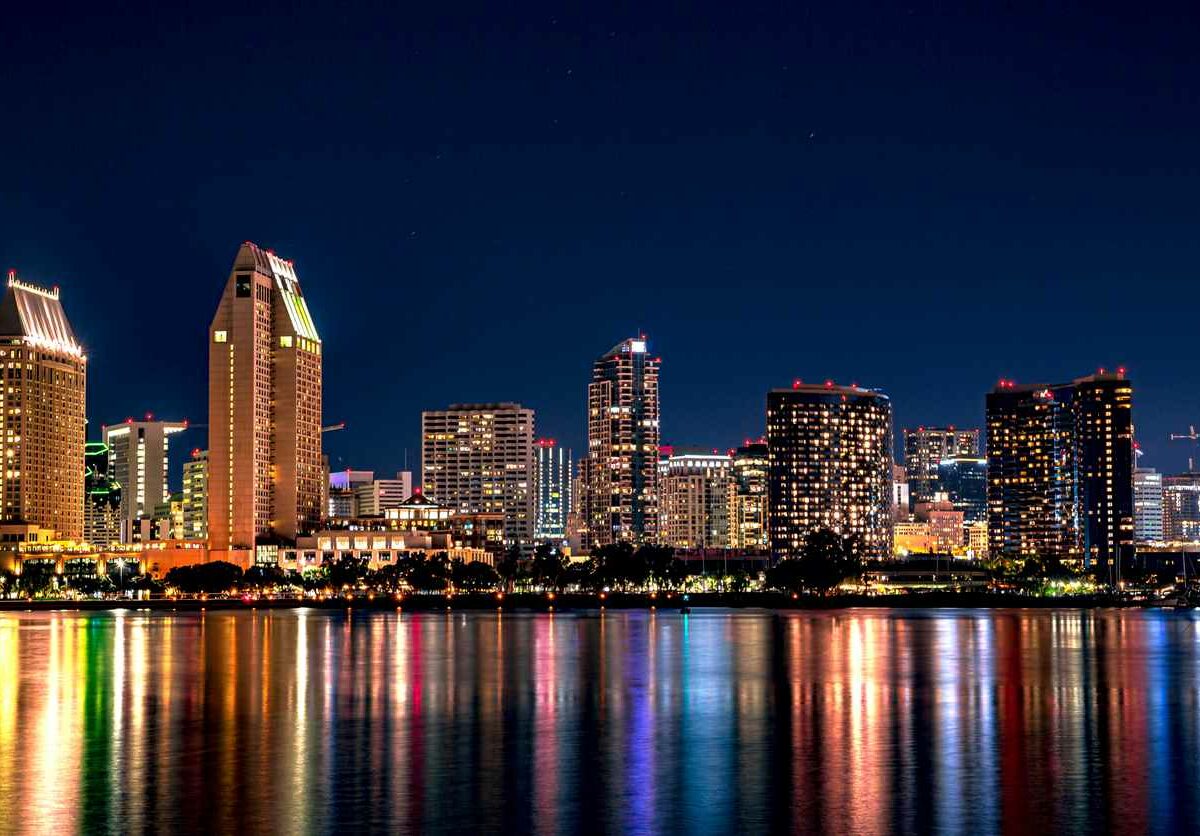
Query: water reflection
point(865, 721)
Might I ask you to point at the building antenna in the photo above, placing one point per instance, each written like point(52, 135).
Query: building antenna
point(1191, 436)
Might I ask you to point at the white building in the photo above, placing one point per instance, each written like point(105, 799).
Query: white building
point(1147, 505)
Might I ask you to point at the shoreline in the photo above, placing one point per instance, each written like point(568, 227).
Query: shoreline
point(572, 602)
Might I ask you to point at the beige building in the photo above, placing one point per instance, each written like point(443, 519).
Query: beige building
point(43, 404)
point(264, 408)
point(479, 459)
point(696, 501)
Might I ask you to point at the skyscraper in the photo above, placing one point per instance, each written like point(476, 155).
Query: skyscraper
point(195, 496)
point(830, 450)
point(478, 459)
point(964, 481)
point(623, 435)
point(102, 507)
point(1060, 471)
point(139, 452)
point(924, 450)
point(696, 497)
point(264, 407)
point(1147, 505)
point(750, 468)
point(552, 478)
point(43, 405)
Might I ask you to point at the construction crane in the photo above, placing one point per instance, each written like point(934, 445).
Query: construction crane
point(1191, 436)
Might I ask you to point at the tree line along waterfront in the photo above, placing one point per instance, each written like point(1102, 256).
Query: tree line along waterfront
point(829, 567)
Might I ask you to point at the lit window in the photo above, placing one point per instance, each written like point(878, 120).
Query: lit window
point(220, 336)
point(285, 341)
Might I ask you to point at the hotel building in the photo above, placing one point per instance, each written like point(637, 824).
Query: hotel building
point(43, 405)
point(138, 453)
point(478, 458)
point(830, 466)
point(1060, 471)
point(623, 436)
point(264, 409)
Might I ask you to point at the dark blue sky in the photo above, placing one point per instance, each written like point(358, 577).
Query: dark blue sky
point(916, 198)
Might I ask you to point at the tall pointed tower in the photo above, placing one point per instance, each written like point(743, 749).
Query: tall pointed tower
point(264, 409)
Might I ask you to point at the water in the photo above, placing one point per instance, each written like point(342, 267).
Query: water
point(867, 721)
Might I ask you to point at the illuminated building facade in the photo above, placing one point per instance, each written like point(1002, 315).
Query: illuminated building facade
point(195, 496)
point(264, 408)
point(963, 479)
point(1060, 471)
point(552, 478)
point(830, 451)
point(696, 497)
point(102, 508)
point(1147, 505)
point(924, 450)
point(478, 458)
point(43, 404)
point(945, 522)
point(621, 504)
point(139, 453)
point(1181, 508)
point(750, 476)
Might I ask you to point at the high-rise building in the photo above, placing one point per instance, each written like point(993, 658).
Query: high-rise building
point(750, 475)
point(139, 452)
point(623, 435)
point(830, 450)
point(924, 450)
point(964, 481)
point(375, 497)
point(696, 494)
point(264, 407)
point(102, 508)
point(1181, 507)
point(552, 480)
point(1147, 505)
point(195, 496)
point(478, 458)
point(43, 404)
point(1060, 471)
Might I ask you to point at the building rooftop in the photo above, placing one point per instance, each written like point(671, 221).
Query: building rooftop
point(36, 314)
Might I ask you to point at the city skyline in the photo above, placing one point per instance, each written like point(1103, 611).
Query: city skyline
point(1174, 456)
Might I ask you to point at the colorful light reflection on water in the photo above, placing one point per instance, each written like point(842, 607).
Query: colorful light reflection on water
point(871, 721)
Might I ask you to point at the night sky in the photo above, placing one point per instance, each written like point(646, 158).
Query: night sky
point(914, 198)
